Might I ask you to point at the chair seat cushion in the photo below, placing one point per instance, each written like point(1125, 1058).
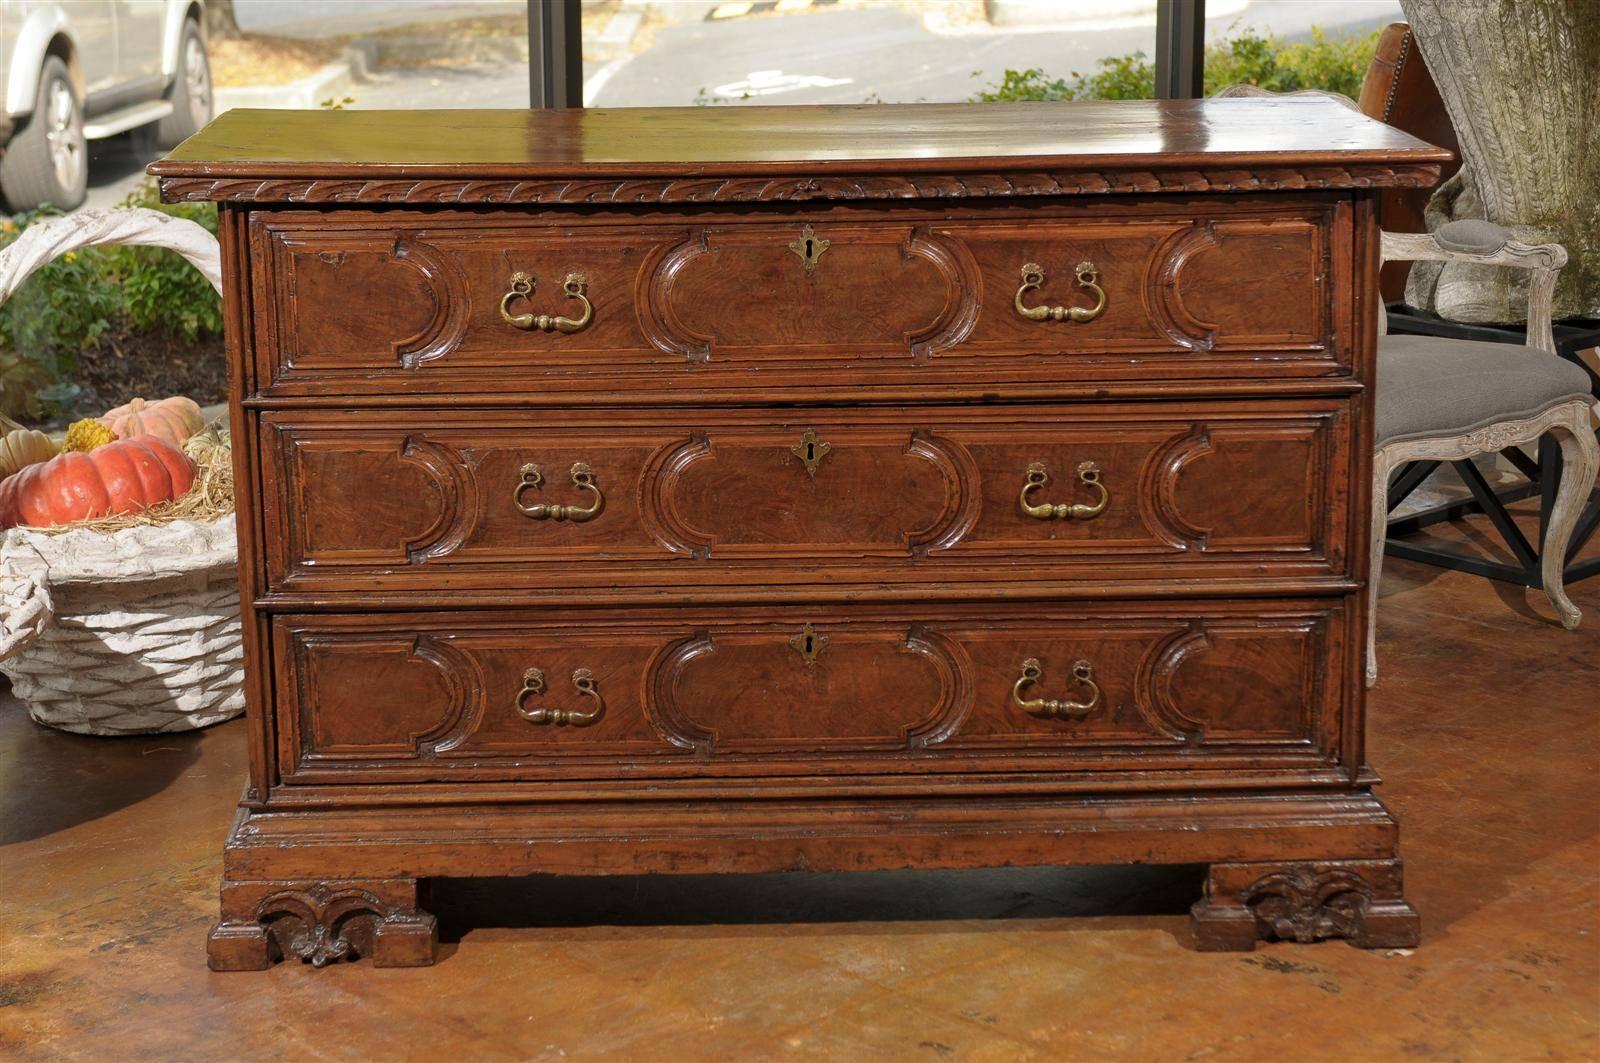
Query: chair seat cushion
point(1432, 386)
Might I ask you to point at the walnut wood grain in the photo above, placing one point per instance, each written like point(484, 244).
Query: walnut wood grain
point(789, 631)
point(904, 494)
point(767, 153)
point(1184, 687)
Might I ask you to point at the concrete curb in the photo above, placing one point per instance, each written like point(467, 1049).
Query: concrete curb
point(333, 80)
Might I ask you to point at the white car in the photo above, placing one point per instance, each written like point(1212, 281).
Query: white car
point(80, 70)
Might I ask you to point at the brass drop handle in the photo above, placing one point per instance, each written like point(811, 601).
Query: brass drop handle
point(522, 285)
point(582, 476)
point(1088, 278)
point(533, 685)
point(1082, 674)
point(1088, 475)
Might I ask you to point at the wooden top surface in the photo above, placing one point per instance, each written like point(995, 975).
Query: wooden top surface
point(740, 141)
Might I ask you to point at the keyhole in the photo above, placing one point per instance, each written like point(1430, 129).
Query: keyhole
point(811, 455)
point(809, 252)
point(810, 646)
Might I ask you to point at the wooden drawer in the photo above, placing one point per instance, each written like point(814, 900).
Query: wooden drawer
point(536, 502)
point(713, 303)
point(1137, 687)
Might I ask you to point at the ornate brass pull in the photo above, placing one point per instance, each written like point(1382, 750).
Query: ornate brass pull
point(582, 476)
point(582, 679)
point(1082, 673)
point(1088, 474)
point(522, 288)
point(1088, 277)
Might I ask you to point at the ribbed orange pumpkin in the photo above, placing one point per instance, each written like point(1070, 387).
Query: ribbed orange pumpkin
point(121, 477)
point(174, 419)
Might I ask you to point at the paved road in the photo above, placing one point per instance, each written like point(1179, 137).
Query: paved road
point(884, 54)
point(333, 18)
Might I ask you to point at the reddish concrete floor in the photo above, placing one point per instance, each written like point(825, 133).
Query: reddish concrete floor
point(1484, 724)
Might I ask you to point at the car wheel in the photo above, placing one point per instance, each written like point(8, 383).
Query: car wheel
point(47, 159)
point(190, 93)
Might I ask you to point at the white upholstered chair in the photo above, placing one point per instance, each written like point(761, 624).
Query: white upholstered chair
point(1442, 399)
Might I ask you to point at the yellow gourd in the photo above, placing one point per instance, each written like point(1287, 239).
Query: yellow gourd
point(23, 447)
point(87, 434)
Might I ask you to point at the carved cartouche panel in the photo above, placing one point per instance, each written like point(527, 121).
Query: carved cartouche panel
point(1199, 287)
point(432, 297)
point(746, 493)
point(855, 687)
point(1201, 681)
point(406, 695)
point(1198, 488)
point(740, 293)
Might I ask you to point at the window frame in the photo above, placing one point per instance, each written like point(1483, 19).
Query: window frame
point(555, 51)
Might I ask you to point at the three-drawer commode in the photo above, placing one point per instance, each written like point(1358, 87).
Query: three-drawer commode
point(688, 491)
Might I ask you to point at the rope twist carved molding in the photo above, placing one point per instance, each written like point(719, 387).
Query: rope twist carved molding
point(764, 189)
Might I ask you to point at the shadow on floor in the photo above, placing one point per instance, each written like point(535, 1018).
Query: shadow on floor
point(775, 900)
point(51, 780)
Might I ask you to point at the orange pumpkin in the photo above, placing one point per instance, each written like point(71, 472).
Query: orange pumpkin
point(174, 419)
point(121, 477)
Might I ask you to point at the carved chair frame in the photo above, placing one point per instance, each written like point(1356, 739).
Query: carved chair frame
point(1568, 421)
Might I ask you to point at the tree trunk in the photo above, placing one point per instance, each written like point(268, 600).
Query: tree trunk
point(1521, 82)
point(220, 22)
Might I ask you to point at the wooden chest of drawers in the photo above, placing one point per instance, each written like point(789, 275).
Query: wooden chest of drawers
point(801, 488)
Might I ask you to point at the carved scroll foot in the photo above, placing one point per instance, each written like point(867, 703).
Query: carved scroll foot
point(321, 923)
point(1358, 900)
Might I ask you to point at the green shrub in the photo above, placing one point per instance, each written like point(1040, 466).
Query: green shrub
point(80, 297)
point(1337, 65)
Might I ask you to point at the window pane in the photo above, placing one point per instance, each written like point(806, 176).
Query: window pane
point(1285, 45)
point(869, 51)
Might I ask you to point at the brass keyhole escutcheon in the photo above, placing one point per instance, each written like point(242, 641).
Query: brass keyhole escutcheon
point(808, 643)
point(811, 450)
point(809, 247)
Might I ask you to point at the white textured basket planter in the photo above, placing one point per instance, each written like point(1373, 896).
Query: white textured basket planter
point(134, 632)
point(127, 632)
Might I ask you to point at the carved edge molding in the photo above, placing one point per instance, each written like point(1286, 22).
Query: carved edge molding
point(964, 282)
point(458, 488)
point(658, 319)
point(962, 477)
point(656, 511)
point(946, 655)
point(1158, 489)
point(661, 708)
point(1360, 900)
point(950, 658)
point(446, 282)
point(764, 189)
point(1153, 683)
point(1166, 302)
point(464, 692)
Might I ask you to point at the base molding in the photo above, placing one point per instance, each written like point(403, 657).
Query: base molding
point(346, 883)
point(1360, 901)
point(322, 922)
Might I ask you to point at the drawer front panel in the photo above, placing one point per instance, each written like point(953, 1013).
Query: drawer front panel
point(703, 303)
point(1131, 686)
point(531, 500)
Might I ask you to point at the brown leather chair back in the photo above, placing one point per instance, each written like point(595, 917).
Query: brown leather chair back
point(1399, 91)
